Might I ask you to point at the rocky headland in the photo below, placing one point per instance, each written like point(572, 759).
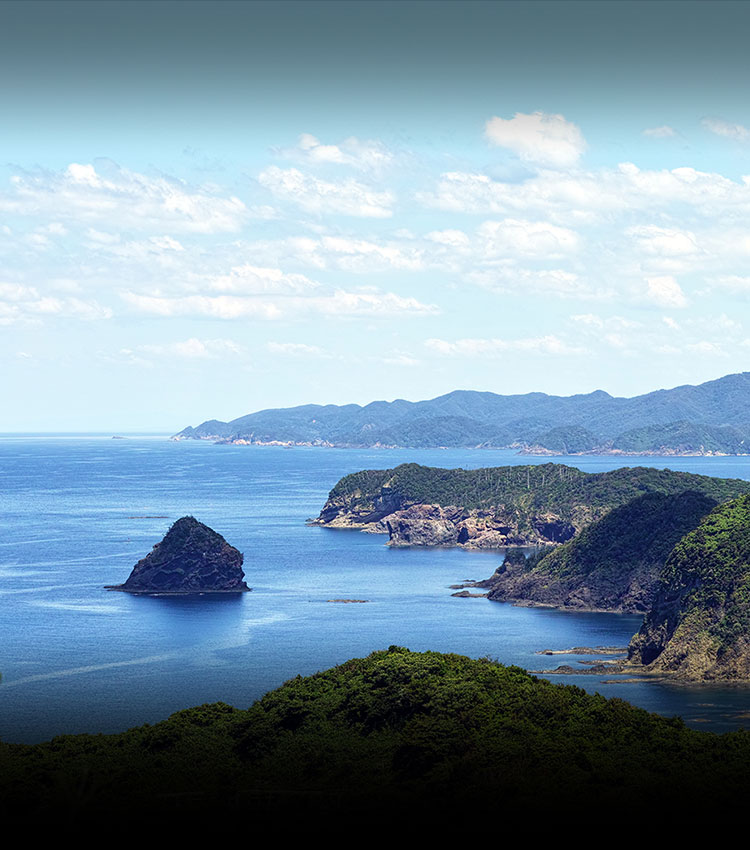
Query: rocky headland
point(191, 558)
point(520, 506)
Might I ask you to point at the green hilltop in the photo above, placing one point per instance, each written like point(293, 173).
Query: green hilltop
point(548, 485)
point(396, 733)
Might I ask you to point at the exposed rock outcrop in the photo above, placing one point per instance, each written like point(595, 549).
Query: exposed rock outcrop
point(432, 525)
point(192, 558)
point(539, 505)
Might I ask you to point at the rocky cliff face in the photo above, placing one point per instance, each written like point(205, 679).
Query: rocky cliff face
point(192, 558)
point(432, 525)
point(613, 565)
point(699, 625)
point(497, 507)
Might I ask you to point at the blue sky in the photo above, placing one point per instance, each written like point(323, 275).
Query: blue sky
point(211, 208)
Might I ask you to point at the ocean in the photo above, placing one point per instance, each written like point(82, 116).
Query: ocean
point(76, 512)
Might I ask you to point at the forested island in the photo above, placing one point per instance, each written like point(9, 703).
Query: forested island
point(396, 734)
point(712, 418)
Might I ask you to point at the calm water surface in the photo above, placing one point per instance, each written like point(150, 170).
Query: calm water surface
point(77, 513)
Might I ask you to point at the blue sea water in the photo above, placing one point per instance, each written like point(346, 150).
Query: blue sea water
point(77, 512)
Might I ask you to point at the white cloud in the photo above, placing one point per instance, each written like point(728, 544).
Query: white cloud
point(662, 241)
point(343, 303)
point(615, 332)
point(364, 255)
point(55, 228)
point(663, 335)
point(590, 196)
point(338, 303)
point(532, 238)
point(161, 250)
point(256, 280)
point(17, 292)
point(450, 238)
point(548, 344)
point(724, 128)
point(664, 291)
point(296, 349)
point(215, 307)
point(362, 154)
point(538, 138)
point(20, 303)
point(707, 347)
point(194, 349)
point(347, 254)
point(552, 282)
point(610, 322)
point(399, 359)
point(102, 237)
point(348, 197)
point(663, 132)
point(123, 199)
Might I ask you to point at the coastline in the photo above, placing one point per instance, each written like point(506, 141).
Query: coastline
point(526, 451)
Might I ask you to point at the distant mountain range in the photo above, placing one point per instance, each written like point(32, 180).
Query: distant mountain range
point(710, 418)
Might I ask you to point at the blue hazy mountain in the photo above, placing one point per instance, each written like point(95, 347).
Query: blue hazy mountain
point(710, 418)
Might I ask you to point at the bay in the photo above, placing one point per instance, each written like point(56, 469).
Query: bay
point(76, 512)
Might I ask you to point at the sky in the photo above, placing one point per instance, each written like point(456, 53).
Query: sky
point(208, 209)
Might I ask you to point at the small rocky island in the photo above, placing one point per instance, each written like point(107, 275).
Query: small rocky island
point(192, 558)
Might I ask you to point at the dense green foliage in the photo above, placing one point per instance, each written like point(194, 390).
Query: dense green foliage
point(568, 439)
point(685, 437)
point(408, 731)
point(712, 554)
point(700, 622)
point(613, 564)
point(549, 486)
point(645, 530)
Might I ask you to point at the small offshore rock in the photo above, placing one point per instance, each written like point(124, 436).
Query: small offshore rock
point(192, 558)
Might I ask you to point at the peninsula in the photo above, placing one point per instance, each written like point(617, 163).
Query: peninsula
point(192, 558)
point(708, 419)
point(502, 506)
